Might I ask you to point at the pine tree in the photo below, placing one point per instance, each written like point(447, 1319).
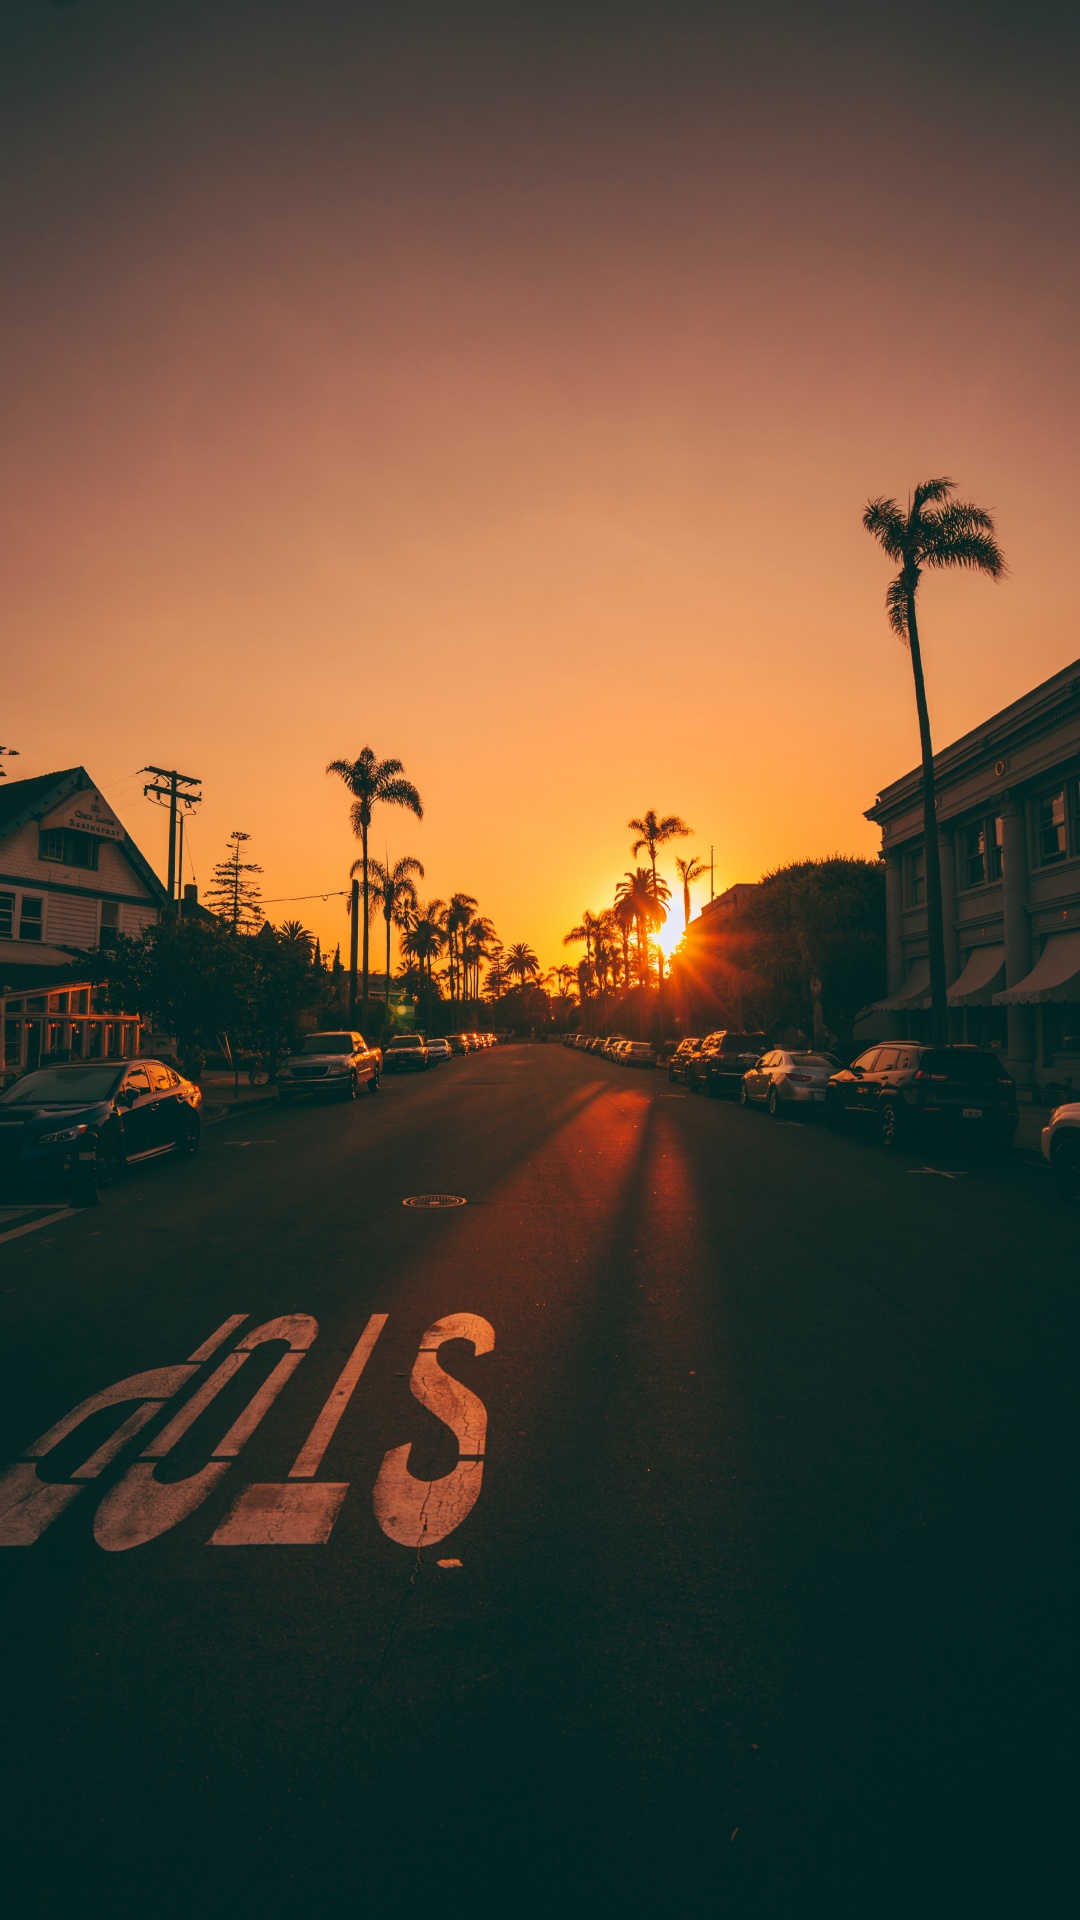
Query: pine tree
point(232, 896)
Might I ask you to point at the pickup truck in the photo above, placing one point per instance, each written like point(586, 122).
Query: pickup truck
point(338, 1063)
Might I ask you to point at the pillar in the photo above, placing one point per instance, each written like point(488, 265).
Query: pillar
point(947, 858)
point(1014, 860)
point(894, 918)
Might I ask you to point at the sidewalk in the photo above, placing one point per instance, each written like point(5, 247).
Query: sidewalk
point(221, 1099)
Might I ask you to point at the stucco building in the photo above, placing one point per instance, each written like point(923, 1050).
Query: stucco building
point(1008, 811)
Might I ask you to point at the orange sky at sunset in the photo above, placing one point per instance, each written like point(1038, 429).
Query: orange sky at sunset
point(502, 387)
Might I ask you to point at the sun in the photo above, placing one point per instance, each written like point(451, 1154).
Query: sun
point(671, 934)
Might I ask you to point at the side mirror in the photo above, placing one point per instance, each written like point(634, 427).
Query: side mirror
point(857, 1070)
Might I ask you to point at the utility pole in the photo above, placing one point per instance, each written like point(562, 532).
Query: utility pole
point(174, 798)
point(354, 946)
point(712, 875)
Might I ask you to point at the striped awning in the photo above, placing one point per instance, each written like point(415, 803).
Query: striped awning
point(1054, 977)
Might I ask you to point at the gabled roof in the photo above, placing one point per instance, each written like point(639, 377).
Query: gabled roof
point(24, 800)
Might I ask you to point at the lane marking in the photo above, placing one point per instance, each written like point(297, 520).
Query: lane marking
point(309, 1459)
point(61, 1213)
point(217, 1339)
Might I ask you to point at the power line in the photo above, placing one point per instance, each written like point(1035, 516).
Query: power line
point(282, 899)
point(175, 799)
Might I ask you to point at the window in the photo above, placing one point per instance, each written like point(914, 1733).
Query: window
point(159, 1078)
point(71, 848)
point(1050, 827)
point(7, 916)
point(997, 840)
point(916, 878)
point(866, 1060)
point(975, 855)
point(137, 1082)
point(30, 918)
point(888, 1058)
point(110, 921)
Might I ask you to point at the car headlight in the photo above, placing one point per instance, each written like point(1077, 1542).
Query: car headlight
point(339, 1066)
point(55, 1139)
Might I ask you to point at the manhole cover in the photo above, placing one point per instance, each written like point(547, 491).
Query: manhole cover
point(433, 1200)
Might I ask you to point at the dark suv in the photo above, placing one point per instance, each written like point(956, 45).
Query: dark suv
point(678, 1066)
point(721, 1060)
point(899, 1089)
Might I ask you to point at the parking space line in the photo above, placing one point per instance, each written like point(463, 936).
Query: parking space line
point(32, 1226)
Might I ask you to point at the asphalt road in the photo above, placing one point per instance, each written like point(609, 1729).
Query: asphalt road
point(762, 1593)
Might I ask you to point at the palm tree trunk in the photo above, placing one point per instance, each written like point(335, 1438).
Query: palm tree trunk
point(367, 954)
point(939, 1006)
point(686, 907)
point(386, 1022)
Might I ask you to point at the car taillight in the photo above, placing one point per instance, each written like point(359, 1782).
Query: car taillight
point(802, 1079)
point(930, 1076)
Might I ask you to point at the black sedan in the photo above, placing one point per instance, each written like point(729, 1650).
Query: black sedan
point(86, 1121)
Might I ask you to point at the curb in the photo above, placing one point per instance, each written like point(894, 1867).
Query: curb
point(240, 1107)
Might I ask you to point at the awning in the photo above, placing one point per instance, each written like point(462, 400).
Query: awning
point(915, 991)
point(1055, 975)
point(983, 974)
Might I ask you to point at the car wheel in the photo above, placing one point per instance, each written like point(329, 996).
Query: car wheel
point(889, 1126)
point(187, 1140)
point(744, 1097)
point(1066, 1170)
point(834, 1113)
point(373, 1083)
point(352, 1088)
point(773, 1103)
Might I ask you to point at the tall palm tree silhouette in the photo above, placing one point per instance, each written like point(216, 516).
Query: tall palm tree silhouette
point(393, 894)
point(688, 871)
point(587, 931)
point(652, 833)
point(371, 782)
point(521, 961)
point(936, 531)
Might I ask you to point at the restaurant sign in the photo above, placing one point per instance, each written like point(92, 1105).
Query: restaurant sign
point(87, 812)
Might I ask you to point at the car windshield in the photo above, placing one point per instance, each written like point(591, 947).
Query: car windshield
point(744, 1043)
point(328, 1043)
point(956, 1063)
point(407, 1040)
point(63, 1086)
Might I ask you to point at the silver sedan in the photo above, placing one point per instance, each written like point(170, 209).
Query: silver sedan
point(783, 1078)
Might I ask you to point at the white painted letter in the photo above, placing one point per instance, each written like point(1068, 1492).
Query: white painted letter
point(417, 1513)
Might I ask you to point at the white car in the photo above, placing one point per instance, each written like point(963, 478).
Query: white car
point(784, 1077)
point(438, 1050)
point(1061, 1147)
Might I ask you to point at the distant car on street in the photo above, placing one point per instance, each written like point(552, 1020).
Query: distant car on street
point(336, 1063)
point(1061, 1147)
point(721, 1060)
point(901, 1089)
point(639, 1053)
point(406, 1053)
point(783, 1078)
point(679, 1063)
point(86, 1121)
point(438, 1050)
point(459, 1043)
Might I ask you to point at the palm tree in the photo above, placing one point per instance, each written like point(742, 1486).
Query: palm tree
point(371, 781)
point(688, 871)
point(458, 914)
point(623, 912)
point(295, 934)
point(393, 893)
point(646, 896)
point(590, 923)
point(478, 938)
point(936, 531)
point(522, 961)
point(652, 833)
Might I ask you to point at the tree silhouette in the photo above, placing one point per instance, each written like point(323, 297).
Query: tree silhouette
point(231, 895)
point(393, 894)
point(371, 782)
point(689, 871)
point(936, 531)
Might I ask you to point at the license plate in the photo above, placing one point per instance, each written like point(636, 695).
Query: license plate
point(973, 1113)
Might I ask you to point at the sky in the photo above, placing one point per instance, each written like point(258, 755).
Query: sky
point(501, 386)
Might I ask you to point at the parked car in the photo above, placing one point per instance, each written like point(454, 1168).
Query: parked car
point(639, 1053)
point(1061, 1147)
point(569, 1039)
point(438, 1050)
point(338, 1063)
point(680, 1060)
point(901, 1089)
point(86, 1121)
point(721, 1060)
point(612, 1044)
point(581, 1040)
point(783, 1078)
point(458, 1043)
point(405, 1053)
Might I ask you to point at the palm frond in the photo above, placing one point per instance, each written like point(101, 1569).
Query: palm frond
point(928, 491)
point(962, 535)
point(896, 608)
point(884, 520)
point(400, 793)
